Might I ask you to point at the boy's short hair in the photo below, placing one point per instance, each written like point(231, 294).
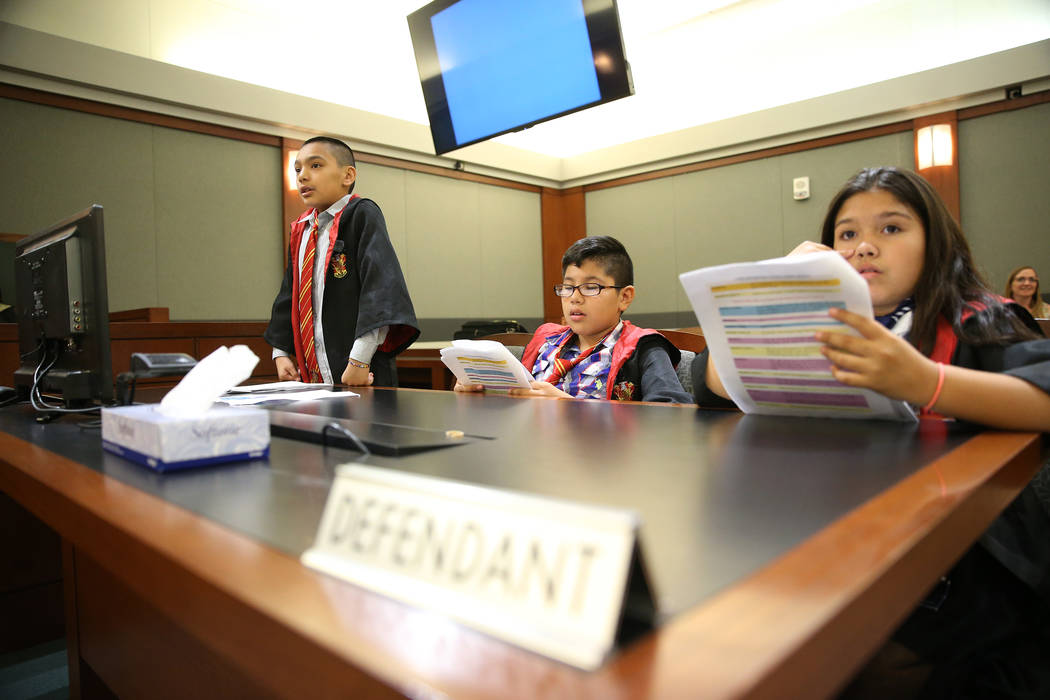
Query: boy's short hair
point(605, 251)
point(343, 154)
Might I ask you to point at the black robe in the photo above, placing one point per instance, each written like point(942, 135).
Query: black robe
point(371, 294)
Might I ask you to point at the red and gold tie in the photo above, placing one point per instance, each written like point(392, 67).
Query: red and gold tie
point(306, 308)
point(561, 367)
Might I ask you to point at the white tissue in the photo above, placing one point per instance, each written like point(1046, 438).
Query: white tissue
point(208, 380)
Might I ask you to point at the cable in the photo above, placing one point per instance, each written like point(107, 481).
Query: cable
point(36, 398)
point(24, 355)
point(347, 433)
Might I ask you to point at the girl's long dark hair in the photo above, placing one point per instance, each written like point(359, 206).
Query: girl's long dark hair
point(949, 280)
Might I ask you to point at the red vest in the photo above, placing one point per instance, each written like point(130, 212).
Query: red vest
point(622, 351)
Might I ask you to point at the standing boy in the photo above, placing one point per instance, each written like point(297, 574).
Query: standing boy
point(343, 312)
point(598, 355)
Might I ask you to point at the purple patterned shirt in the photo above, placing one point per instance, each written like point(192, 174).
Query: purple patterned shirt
point(588, 379)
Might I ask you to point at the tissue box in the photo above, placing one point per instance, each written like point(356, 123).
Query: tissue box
point(165, 443)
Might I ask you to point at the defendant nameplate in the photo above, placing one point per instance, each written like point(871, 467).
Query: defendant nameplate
point(544, 574)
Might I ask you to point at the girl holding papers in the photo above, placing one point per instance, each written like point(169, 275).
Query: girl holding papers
point(940, 339)
point(943, 342)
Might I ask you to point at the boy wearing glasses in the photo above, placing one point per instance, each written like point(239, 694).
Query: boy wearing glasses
point(598, 355)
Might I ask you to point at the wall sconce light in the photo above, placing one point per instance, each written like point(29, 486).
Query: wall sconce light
point(933, 145)
point(290, 177)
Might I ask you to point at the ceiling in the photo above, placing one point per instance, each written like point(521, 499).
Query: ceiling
point(693, 61)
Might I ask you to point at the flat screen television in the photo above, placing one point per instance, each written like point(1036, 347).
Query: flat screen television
point(488, 67)
point(63, 315)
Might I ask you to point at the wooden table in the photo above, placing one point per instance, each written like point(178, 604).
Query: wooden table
point(783, 551)
point(420, 366)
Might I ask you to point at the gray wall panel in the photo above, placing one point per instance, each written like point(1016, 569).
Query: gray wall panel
point(193, 221)
point(218, 209)
point(386, 187)
point(724, 215)
point(471, 250)
point(57, 162)
point(443, 252)
point(511, 253)
point(734, 213)
point(1004, 183)
point(641, 216)
point(828, 169)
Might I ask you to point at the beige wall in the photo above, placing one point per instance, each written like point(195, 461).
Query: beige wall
point(729, 214)
point(468, 250)
point(193, 222)
point(1004, 179)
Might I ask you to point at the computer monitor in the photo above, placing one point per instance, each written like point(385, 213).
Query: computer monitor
point(63, 315)
point(488, 67)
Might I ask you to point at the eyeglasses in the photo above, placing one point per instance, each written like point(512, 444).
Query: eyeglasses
point(1022, 280)
point(587, 289)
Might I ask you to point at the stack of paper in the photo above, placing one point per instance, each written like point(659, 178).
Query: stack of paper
point(485, 362)
point(276, 386)
point(759, 320)
point(252, 394)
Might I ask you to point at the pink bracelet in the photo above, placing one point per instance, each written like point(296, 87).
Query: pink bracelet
point(936, 392)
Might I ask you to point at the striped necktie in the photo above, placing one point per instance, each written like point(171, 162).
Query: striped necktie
point(560, 367)
point(306, 308)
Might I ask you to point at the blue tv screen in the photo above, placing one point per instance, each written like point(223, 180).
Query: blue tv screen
point(488, 67)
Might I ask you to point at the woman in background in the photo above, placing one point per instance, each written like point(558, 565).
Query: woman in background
point(1023, 287)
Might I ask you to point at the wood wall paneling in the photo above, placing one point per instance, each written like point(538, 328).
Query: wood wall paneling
point(563, 221)
point(1008, 105)
point(859, 135)
point(810, 144)
point(134, 115)
point(9, 358)
point(421, 368)
point(944, 178)
point(149, 315)
point(184, 329)
point(82, 105)
point(452, 173)
point(563, 218)
point(121, 350)
point(292, 206)
point(193, 338)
